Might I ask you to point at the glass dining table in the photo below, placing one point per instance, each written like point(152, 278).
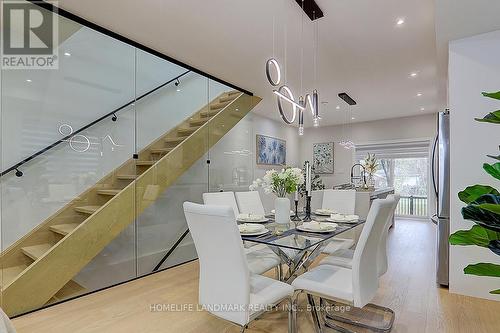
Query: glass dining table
point(295, 248)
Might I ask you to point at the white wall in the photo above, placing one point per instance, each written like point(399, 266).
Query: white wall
point(473, 68)
point(374, 131)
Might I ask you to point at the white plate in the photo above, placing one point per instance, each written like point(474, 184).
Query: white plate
point(324, 213)
point(333, 227)
point(292, 213)
point(253, 221)
point(257, 233)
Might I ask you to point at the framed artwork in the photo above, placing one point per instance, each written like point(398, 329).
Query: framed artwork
point(270, 151)
point(323, 157)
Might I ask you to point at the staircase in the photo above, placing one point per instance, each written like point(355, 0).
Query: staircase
point(38, 269)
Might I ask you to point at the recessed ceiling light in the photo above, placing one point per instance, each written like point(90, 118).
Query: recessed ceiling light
point(178, 89)
point(29, 80)
point(67, 54)
point(353, 118)
point(422, 109)
point(419, 94)
point(413, 74)
point(338, 107)
point(400, 21)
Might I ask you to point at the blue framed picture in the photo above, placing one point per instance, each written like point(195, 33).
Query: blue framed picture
point(270, 151)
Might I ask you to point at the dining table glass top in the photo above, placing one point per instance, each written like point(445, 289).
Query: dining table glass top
point(287, 236)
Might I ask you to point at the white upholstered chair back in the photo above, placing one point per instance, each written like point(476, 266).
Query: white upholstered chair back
point(224, 275)
point(249, 203)
point(316, 199)
point(341, 201)
point(382, 251)
point(364, 264)
point(221, 199)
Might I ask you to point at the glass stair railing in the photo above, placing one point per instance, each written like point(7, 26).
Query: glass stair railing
point(105, 149)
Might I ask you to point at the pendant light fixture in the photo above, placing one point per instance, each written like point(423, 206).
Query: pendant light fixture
point(284, 93)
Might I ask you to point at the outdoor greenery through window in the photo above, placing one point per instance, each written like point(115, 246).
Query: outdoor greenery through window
point(409, 177)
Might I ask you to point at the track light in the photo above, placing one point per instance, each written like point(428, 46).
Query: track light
point(19, 173)
point(177, 82)
point(114, 118)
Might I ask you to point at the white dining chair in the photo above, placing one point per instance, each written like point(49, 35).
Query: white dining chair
point(227, 289)
point(249, 203)
point(221, 199)
point(341, 201)
point(260, 258)
point(344, 202)
point(344, 257)
point(356, 286)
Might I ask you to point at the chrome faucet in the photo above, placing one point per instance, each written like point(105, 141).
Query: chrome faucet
point(363, 174)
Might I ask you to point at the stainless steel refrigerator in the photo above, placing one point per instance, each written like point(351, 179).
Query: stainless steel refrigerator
point(441, 182)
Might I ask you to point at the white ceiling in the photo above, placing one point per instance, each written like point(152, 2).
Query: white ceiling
point(361, 50)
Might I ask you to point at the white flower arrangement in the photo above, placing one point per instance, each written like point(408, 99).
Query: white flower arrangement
point(281, 183)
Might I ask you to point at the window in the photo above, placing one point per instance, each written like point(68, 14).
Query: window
point(405, 167)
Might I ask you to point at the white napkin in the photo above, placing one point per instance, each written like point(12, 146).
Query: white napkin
point(325, 211)
point(318, 226)
point(250, 227)
point(250, 217)
point(342, 217)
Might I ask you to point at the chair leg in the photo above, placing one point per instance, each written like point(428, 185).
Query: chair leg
point(243, 328)
point(352, 322)
point(316, 319)
point(292, 315)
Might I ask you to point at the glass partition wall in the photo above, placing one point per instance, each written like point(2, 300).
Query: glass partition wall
point(97, 158)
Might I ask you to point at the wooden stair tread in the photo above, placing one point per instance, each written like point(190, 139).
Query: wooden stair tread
point(36, 251)
point(87, 209)
point(189, 130)
point(210, 113)
point(145, 163)
point(10, 273)
point(174, 140)
point(197, 122)
point(126, 177)
point(228, 98)
point(218, 106)
point(108, 192)
point(161, 150)
point(63, 229)
point(70, 289)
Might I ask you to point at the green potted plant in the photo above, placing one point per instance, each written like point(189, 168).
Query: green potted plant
point(483, 208)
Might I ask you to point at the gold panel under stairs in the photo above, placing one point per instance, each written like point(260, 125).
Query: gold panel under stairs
point(39, 268)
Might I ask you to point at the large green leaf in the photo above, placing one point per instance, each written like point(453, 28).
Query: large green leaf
point(494, 208)
point(495, 292)
point(483, 269)
point(492, 117)
point(473, 193)
point(493, 169)
point(483, 217)
point(477, 235)
point(495, 95)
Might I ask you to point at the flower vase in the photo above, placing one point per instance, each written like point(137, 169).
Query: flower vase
point(282, 210)
point(371, 181)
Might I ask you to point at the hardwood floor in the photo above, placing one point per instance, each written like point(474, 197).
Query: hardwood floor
point(408, 288)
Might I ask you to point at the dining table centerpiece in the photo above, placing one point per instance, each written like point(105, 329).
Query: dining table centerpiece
point(281, 183)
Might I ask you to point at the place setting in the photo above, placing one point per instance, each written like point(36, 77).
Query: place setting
point(252, 229)
point(252, 218)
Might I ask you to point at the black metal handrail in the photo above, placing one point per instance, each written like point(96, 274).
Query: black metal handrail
point(112, 113)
